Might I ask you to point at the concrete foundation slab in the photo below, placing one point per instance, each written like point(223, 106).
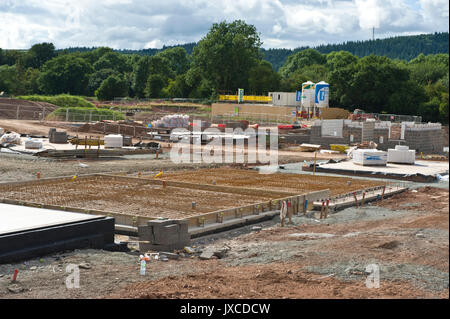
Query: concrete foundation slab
point(16, 218)
point(28, 232)
point(422, 171)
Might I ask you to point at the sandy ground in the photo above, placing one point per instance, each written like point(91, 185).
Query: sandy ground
point(405, 237)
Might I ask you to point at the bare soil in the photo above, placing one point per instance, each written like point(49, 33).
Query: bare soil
point(28, 110)
point(296, 261)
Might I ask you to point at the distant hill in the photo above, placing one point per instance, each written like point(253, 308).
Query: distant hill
point(402, 47)
point(187, 46)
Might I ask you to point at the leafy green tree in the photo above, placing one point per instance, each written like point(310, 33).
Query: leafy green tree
point(65, 74)
point(9, 79)
point(314, 73)
point(263, 79)
point(154, 65)
point(428, 69)
point(141, 75)
point(96, 79)
point(94, 55)
point(39, 54)
point(374, 79)
point(177, 87)
point(340, 91)
point(300, 60)
point(10, 57)
point(339, 59)
point(114, 61)
point(155, 84)
point(31, 85)
point(406, 99)
point(114, 86)
point(178, 59)
point(226, 54)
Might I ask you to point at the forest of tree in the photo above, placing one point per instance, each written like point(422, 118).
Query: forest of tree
point(229, 57)
point(402, 47)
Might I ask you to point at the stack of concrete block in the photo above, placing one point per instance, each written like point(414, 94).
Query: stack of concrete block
point(127, 141)
point(368, 128)
point(57, 137)
point(164, 235)
point(427, 139)
point(401, 154)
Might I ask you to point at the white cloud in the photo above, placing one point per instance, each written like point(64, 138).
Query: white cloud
point(138, 24)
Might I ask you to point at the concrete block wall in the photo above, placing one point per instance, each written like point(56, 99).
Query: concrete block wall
point(164, 235)
point(426, 141)
point(381, 132)
point(295, 138)
point(355, 131)
point(426, 138)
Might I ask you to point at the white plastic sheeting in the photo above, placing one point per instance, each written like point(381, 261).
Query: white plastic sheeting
point(401, 154)
point(369, 157)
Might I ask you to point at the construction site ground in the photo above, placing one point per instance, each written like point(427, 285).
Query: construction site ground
point(293, 183)
point(406, 236)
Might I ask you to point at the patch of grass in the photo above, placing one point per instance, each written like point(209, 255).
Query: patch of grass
point(83, 114)
point(62, 100)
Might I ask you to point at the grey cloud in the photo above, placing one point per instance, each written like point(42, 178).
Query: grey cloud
point(281, 23)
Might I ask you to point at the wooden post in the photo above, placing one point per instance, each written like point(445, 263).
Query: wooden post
point(290, 212)
point(321, 209)
point(362, 200)
point(356, 199)
point(98, 147)
point(382, 194)
point(85, 145)
point(326, 210)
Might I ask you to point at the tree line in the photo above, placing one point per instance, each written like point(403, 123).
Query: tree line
point(229, 57)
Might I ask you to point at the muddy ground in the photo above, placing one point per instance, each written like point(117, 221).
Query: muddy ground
point(404, 237)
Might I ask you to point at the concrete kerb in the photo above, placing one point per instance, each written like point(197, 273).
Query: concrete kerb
point(368, 195)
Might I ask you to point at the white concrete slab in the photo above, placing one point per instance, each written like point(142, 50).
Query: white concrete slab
point(19, 218)
point(421, 167)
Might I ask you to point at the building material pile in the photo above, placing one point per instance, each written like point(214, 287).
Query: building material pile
point(172, 121)
point(367, 157)
point(57, 137)
point(164, 235)
point(401, 154)
point(10, 138)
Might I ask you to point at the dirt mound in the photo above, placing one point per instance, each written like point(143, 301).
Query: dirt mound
point(23, 109)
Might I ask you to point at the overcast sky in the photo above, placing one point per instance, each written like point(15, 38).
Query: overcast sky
point(137, 24)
